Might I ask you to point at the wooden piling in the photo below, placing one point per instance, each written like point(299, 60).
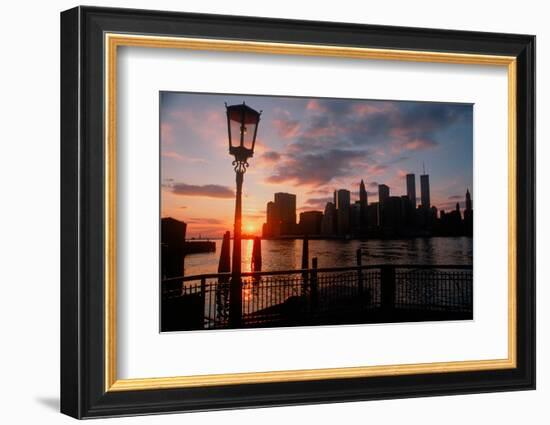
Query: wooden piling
point(256, 260)
point(224, 265)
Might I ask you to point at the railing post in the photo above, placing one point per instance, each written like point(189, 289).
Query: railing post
point(387, 288)
point(235, 301)
point(359, 272)
point(313, 284)
point(305, 264)
point(203, 299)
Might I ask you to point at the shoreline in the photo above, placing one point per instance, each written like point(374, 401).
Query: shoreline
point(336, 238)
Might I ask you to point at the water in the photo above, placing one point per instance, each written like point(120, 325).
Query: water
point(287, 254)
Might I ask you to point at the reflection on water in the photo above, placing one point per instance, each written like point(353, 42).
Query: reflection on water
point(286, 254)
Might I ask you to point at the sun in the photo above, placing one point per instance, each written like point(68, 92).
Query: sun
point(249, 228)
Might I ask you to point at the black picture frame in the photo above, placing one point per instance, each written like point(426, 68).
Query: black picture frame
point(83, 392)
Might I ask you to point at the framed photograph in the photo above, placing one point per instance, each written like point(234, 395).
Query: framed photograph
point(261, 212)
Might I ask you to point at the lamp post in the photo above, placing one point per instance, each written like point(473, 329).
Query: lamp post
point(242, 127)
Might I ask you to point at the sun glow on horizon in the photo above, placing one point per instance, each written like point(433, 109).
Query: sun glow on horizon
point(250, 228)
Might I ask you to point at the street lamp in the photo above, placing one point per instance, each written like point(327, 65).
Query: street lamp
point(242, 127)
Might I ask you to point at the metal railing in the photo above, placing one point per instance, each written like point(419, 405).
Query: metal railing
point(334, 295)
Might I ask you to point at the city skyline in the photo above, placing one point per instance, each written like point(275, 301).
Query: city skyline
point(390, 216)
point(308, 147)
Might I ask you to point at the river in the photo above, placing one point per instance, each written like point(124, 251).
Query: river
point(287, 254)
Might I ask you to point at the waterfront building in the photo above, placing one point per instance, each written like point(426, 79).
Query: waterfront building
point(407, 211)
point(363, 204)
point(310, 222)
point(355, 217)
point(328, 222)
point(281, 215)
point(285, 204)
point(425, 191)
point(343, 205)
point(468, 210)
point(391, 214)
point(411, 189)
point(172, 239)
point(468, 215)
point(383, 193)
point(372, 214)
point(272, 227)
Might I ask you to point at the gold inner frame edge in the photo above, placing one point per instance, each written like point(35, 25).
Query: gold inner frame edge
point(111, 43)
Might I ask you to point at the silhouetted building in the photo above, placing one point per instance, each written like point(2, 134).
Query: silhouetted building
point(450, 223)
point(433, 215)
point(425, 191)
point(343, 203)
point(383, 193)
point(272, 227)
point(328, 223)
point(363, 204)
point(285, 203)
point(355, 217)
point(281, 216)
point(172, 239)
point(468, 201)
point(407, 213)
point(411, 189)
point(468, 215)
point(310, 222)
point(372, 215)
point(342, 199)
point(391, 215)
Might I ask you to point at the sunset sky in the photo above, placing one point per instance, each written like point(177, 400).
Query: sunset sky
point(308, 147)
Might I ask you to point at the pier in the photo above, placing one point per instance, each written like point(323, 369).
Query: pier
point(198, 247)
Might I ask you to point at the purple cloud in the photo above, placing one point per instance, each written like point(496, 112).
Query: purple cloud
point(271, 156)
point(336, 135)
point(318, 202)
point(206, 191)
point(315, 168)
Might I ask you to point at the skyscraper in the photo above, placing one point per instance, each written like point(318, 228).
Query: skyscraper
point(343, 202)
point(363, 196)
point(281, 215)
point(363, 204)
point(468, 215)
point(328, 223)
point(286, 206)
point(272, 227)
point(342, 199)
point(468, 201)
point(383, 193)
point(310, 222)
point(425, 191)
point(355, 217)
point(411, 189)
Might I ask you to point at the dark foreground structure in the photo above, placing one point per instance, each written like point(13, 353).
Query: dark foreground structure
point(320, 296)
